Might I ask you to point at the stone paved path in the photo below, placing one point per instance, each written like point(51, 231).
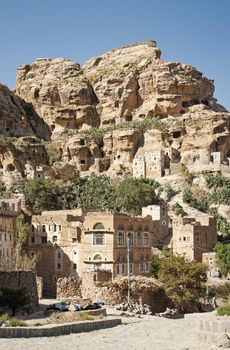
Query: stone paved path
point(152, 333)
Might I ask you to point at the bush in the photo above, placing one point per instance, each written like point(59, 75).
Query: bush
point(199, 204)
point(178, 209)
point(221, 290)
point(223, 310)
point(14, 298)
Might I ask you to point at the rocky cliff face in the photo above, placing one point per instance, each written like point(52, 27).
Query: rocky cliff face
point(59, 92)
point(124, 112)
point(18, 118)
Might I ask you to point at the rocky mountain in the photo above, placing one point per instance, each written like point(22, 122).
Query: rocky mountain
point(124, 112)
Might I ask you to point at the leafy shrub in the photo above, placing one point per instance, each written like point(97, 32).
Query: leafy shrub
point(14, 298)
point(178, 209)
point(199, 204)
point(221, 290)
point(223, 310)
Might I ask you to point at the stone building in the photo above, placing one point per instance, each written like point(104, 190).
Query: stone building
point(10, 209)
point(105, 240)
point(73, 242)
point(193, 237)
point(210, 260)
point(159, 215)
point(150, 164)
point(54, 237)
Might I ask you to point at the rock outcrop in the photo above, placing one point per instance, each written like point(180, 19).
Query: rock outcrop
point(124, 112)
point(133, 81)
point(59, 92)
point(18, 118)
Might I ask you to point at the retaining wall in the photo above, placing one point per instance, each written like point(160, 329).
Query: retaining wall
point(51, 330)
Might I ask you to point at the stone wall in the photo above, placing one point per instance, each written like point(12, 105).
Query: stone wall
point(68, 287)
point(21, 279)
point(114, 292)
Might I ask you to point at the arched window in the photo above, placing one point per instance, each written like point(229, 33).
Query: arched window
point(130, 228)
point(98, 226)
point(97, 257)
point(146, 228)
point(139, 229)
point(121, 227)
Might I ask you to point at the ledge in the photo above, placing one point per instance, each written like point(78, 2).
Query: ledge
point(64, 329)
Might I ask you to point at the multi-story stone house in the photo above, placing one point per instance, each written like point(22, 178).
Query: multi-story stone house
point(71, 242)
point(210, 260)
point(151, 164)
point(10, 209)
point(193, 237)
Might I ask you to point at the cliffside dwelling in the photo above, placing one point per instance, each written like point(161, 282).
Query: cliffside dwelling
point(155, 163)
point(193, 237)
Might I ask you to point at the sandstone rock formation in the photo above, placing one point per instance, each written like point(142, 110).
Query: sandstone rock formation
point(59, 93)
point(124, 112)
point(133, 81)
point(18, 118)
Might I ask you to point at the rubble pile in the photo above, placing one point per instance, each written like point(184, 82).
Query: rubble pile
point(134, 309)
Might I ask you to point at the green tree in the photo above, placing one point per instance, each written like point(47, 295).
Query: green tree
point(133, 194)
point(178, 209)
point(184, 281)
point(98, 192)
point(14, 298)
point(23, 229)
point(223, 257)
point(42, 195)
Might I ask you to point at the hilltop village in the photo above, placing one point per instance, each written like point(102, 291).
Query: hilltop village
point(124, 114)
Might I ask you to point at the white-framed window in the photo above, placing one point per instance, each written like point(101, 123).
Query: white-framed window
point(141, 267)
point(146, 238)
point(98, 238)
point(139, 239)
point(120, 238)
point(130, 238)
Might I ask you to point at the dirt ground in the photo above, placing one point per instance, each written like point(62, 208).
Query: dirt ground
point(150, 332)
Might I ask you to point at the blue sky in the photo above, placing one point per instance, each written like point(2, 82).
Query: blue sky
point(194, 32)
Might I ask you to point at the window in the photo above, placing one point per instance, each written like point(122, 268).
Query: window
point(74, 266)
point(98, 226)
point(59, 255)
point(5, 237)
point(97, 257)
point(54, 239)
point(55, 227)
point(118, 269)
point(146, 266)
point(98, 239)
point(44, 240)
point(130, 238)
point(43, 228)
point(32, 228)
point(146, 238)
point(58, 266)
point(141, 267)
point(120, 238)
point(139, 239)
point(184, 238)
point(32, 239)
point(59, 227)
point(123, 269)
